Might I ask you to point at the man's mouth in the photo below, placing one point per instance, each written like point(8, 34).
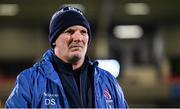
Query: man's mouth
point(75, 46)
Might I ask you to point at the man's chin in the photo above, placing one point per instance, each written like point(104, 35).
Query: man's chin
point(74, 59)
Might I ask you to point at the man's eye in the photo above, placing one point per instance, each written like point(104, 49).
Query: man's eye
point(83, 32)
point(69, 31)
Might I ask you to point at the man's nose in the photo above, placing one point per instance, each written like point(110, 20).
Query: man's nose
point(77, 36)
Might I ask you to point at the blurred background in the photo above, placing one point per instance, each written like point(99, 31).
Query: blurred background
point(142, 35)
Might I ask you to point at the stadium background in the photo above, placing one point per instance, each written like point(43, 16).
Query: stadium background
point(142, 35)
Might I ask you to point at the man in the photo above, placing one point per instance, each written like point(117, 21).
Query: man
point(65, 77)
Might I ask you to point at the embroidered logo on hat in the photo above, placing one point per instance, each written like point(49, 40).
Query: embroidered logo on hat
point(66, 9)
point(72, 9)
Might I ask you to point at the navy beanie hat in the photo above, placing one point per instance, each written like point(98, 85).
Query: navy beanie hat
point(65, 17)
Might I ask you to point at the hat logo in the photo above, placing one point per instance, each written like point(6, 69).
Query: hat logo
point(66, 9)
point(74, 9)
point(70, 9)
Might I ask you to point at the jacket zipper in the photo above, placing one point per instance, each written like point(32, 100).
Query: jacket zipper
point(81, 92)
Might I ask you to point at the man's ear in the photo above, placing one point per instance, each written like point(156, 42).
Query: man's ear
point(54, 44)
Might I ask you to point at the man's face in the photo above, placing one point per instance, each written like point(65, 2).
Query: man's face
point(71, 45)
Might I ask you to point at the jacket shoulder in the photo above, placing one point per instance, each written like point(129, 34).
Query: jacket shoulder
point(104, 74)
point(31, 73)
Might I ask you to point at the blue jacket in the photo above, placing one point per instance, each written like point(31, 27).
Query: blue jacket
point(40, 86)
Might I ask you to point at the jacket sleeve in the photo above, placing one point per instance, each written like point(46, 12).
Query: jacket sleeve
point(20, 97)
point(121, 102)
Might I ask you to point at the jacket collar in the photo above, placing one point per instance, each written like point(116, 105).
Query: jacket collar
point(66, 68)
point(62, 67)
point(49, 70)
